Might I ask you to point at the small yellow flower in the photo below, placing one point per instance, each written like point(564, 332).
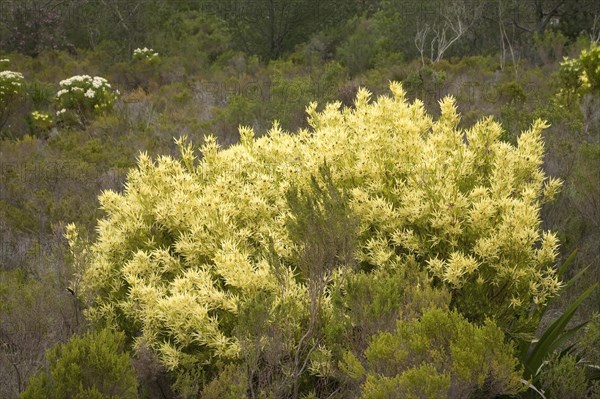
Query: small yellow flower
point(515, 302)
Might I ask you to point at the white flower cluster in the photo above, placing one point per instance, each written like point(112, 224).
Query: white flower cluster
point(10, 82)
point(81, 80)
point(83, 84)
point(145, 54)
point(84, 93)
point(10, 75)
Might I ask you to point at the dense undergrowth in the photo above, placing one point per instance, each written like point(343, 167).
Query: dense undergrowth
point(359, 256)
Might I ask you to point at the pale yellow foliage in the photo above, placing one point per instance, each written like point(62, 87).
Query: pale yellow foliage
point(189, 240)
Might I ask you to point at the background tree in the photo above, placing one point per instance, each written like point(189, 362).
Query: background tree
point(32, 26)
point(271, 28)
point(443, 24)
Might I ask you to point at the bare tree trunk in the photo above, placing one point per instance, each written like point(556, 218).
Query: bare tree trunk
point(420, 39)
point(595, 33)
point(454, 19)
point(505, 40)
point(544, 18)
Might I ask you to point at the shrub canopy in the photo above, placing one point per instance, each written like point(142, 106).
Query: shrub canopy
point(190, 241)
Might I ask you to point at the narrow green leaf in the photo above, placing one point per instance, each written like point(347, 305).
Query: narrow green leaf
point(531, 386)
point(576, 277)
point(566, 263)
point(565, 338)
point(548, 341)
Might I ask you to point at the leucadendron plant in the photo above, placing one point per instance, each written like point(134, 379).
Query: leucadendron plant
point(581, 75)
point(191, 241)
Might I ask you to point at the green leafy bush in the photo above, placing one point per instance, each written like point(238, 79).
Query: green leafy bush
point(563, 377)
point(364, 304)
point(550, 45)
point(357, 53)
point(41, 94)
point(92, 366)
point(440, 355)
point(30, 299)
point(201, 37)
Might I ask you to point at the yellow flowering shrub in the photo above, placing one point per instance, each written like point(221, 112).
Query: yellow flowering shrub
point(191, 240)
point(41, 121)
point(581, 75)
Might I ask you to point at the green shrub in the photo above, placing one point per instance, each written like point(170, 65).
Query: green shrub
point(440, 355)
point(197, 38)
point(41, 94)
point(550, 45)
point(29, 305)
point(358, 52)
point(512, 92)
point(364, 304)
point(92, 366)
point(562, 378)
